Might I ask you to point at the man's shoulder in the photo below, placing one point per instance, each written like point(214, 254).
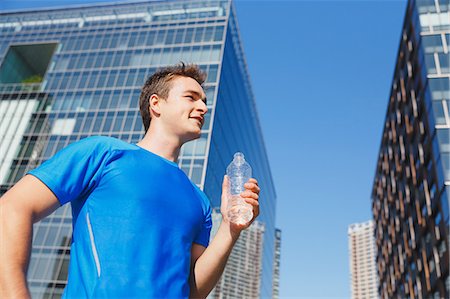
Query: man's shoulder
point(104, 142)
point(201, 194)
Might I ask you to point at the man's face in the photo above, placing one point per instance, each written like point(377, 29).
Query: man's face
point(182, 113)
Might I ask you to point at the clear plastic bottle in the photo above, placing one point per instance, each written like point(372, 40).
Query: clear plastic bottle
point(238, 172)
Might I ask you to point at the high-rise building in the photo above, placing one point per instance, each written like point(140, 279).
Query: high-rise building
point(69, 73)
point(362, 255)
point(276, 265)
point(242, 275)
point(411, 190)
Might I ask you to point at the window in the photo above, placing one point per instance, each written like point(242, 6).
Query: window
point(121, 78)
point(189, 35)
point(102, 80)
point(445, 159)
point(432, 43)
point(132, 41)
point(89, 61)
point(188, 148)
point(179, 35)
point(205, 54)
point(87, 124)
point(429, 61)
point(212, 73)
point(208, 36)
point(73, 80)
point(185, 166)
point(197, 171)
point(113, 100)
point(118, 59)
point(107, 125)
point(200, 148)
point(215, 55)
point(118, 122)
point(131, 78)
point(439, 115)
point(26, 63)
point(136, 59)
point(98, 123)
point(444, 63)
point(111, 79)
point(151, 38)
point(99, 62)
point(165, 57)
point(439, 88)
point(218, 33)
point(129, 120)
point(94, 99)
point(146, 58)
point(62, 63)
point(92, 80)
point(170, 37)
point(105, 41)
point(155, 56)
point(198, 35)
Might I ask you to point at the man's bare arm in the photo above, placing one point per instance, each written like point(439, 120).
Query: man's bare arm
point(208, 263)
point(25, 203)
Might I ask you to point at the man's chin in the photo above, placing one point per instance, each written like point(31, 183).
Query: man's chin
point(192, 136)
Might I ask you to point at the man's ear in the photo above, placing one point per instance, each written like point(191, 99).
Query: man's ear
point(154, 105)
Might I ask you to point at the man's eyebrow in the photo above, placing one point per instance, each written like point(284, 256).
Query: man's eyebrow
point(197, 94)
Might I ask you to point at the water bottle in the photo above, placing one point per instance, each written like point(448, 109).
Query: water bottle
point(238, 172)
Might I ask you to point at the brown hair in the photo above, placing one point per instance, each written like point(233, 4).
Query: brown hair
point(160, 84)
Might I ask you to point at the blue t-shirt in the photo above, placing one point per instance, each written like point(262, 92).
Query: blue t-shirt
point(135, 217)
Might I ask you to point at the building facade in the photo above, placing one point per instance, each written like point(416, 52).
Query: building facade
point(276, 265)
point(362, 256)
point(69, 73)
point(411, 190)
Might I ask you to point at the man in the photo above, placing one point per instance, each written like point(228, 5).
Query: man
point(140, 227)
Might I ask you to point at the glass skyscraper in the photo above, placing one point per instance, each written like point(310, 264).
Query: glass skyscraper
point(69, 73)
point(411, 190)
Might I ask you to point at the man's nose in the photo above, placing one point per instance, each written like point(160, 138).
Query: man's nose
point(203, 107)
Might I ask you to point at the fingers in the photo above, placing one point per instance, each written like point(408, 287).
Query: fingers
point(252, 201)
point(252, 180)
point(255, 205)
point(253, 186)
point(249, 194)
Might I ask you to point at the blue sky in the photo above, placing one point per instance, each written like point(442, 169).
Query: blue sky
point(321, 73)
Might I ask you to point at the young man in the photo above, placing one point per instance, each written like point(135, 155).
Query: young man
point(140, 227)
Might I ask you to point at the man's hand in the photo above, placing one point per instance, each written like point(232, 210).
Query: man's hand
point(250, 195)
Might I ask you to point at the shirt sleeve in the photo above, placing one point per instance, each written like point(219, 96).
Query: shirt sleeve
point(204, 234)
point(75, 170)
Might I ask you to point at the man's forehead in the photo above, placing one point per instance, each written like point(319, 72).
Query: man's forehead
point(188, 84)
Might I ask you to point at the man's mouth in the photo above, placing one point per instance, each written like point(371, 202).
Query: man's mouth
point(199, 118)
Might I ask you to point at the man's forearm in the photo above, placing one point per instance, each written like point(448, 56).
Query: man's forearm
point(15, 241)
point(210, 265)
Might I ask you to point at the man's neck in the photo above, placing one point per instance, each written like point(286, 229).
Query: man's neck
point(161, 144)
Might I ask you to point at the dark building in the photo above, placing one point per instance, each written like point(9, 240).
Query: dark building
point(411, 190)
